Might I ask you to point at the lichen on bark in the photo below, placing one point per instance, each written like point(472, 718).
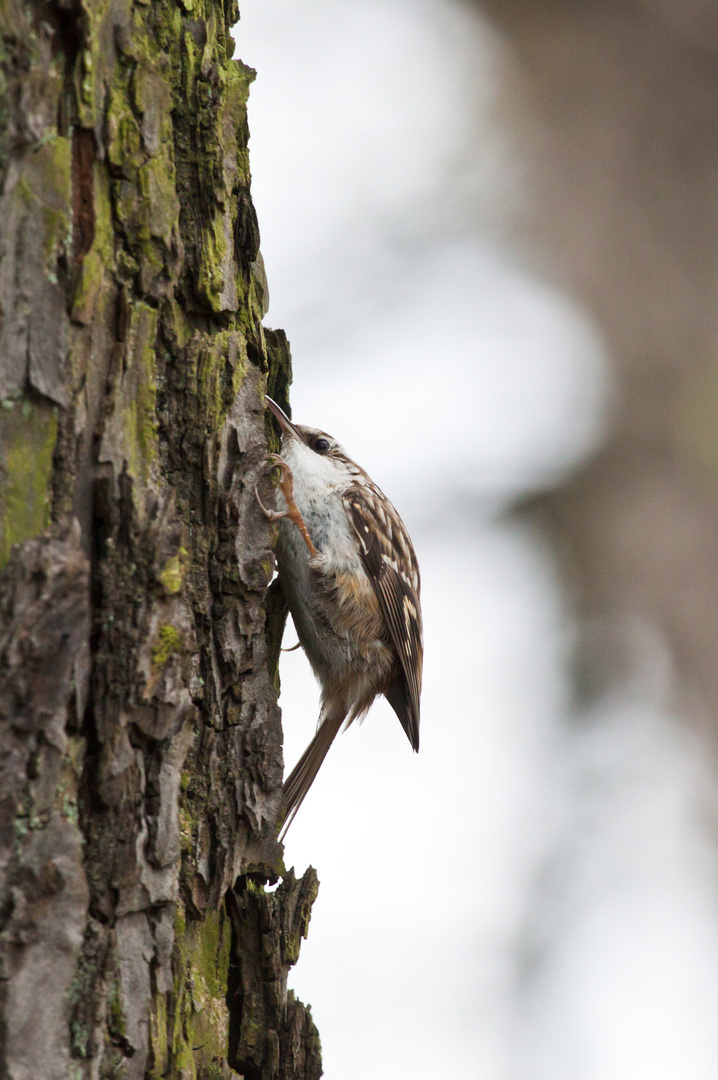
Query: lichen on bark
point(140, 739)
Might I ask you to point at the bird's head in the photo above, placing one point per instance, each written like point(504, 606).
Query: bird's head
point(311, 450)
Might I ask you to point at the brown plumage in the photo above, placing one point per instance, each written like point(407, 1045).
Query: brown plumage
point(351, 579)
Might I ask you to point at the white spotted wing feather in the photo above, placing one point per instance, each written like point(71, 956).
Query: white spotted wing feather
point(390, 562)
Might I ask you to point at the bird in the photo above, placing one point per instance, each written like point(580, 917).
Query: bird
point(351, 580)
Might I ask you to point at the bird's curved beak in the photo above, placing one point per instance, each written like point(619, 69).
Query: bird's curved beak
point(282, 419)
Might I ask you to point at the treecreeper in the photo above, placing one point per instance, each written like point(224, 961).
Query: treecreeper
point(351, 580)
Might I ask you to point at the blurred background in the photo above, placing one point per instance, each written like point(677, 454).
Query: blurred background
point(490, 232)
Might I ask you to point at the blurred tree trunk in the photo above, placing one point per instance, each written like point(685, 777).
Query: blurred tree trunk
point(140, 746)
point(612, 107)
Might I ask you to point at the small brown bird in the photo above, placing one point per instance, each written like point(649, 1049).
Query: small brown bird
point(351, 580)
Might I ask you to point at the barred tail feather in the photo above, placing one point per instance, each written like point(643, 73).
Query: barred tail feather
point(304, 772)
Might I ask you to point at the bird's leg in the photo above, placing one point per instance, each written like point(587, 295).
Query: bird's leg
point(286, 486)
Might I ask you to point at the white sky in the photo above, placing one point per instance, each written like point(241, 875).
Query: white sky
point(533, 897)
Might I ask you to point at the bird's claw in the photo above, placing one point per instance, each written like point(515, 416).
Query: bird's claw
point(276, 461)
point(286, 486)
point(271, 515)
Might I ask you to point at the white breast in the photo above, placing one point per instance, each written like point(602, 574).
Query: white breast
point(318, 486)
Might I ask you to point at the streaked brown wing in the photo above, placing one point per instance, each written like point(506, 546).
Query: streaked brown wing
point(391, 565)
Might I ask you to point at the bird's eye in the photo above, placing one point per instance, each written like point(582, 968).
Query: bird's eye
point(321, 446)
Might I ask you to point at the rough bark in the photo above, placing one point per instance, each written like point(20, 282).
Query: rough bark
point(265, 1028)
point(140, 739)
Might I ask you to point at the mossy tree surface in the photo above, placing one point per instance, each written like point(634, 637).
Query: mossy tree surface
point(140, 744)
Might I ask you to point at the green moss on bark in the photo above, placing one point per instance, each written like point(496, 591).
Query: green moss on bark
point(169, 641)
point(190, 1029)
point(171, 576)
point(28, 433)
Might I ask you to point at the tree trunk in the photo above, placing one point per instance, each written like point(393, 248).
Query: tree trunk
point(141, 745)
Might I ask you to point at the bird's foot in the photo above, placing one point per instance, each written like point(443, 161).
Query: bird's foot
point(271, 515)
point(286, 486)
